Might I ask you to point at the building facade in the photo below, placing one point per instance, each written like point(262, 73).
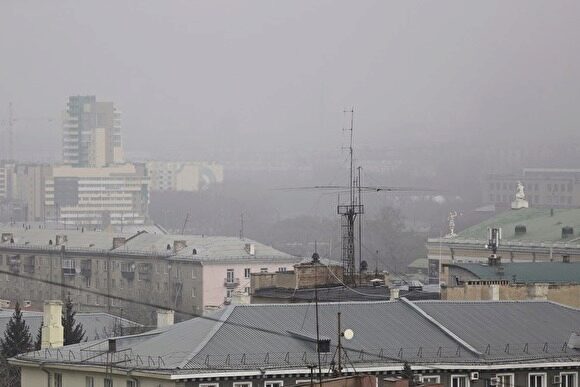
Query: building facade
point(544, 187)
point(188, 176)
point(191, 274)
point(98, 197)
point(91, 133)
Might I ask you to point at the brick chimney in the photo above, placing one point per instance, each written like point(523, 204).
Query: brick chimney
point(164, 318)
point(52, 331)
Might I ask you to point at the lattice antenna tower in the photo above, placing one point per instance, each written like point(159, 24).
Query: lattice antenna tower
point(349, 213)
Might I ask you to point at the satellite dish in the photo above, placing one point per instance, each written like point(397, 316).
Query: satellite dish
point(348, 334)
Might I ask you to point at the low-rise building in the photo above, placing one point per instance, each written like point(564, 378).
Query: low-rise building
point(188, 176)
point(187, 273)
point(455, 344)
point(554, 281)
point(527, 235)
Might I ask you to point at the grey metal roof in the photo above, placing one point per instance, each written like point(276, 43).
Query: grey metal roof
point(97, 325)
point(207, 248)
point(430, 332)
point(510, 329)
point(526, 272)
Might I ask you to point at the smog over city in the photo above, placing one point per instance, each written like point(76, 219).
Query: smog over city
point(186, 156)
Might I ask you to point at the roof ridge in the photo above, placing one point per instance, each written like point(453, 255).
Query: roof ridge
point(228, 311)
point(442, 327)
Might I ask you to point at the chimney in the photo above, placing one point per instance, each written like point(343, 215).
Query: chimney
point(52, 331)
point(179, 245)
point(61, 239)
point(164, 318)
point(118, 242)
point(394, 294)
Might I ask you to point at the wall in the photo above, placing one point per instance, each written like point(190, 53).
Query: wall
point(35, 377)
point(568, 294)
point(214, 275)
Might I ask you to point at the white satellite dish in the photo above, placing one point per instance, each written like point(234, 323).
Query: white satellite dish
point(348, 334)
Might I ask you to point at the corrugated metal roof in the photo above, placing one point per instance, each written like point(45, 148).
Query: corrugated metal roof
point(541, 226)
point(527, 272)
point(432, 332)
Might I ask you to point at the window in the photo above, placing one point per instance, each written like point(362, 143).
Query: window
point(247, 272)
point(263, 270)
point(569, 379)
point(273, 383)
point(247, 290)
point(192, 292)
point(505, 380)
point(209, 385)
point(193, 274)
point(281, 269)
point(57, 379)
point(431, 379)
point(537, 380)
point(89, 381)
point(132, 383)
point(230, 276)
point(243, 384)
point(229, 293)
point(459, 381)
point(108, 382)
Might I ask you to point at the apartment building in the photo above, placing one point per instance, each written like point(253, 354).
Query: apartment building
point(91, 133)
point(189, 176)
point(190, 274)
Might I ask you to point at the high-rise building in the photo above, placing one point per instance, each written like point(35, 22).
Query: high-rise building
point(91, 133)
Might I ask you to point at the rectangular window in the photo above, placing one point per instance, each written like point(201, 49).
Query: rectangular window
point(247, 290)
point(229, 293)
point(132, 383)
point(89, 381)
point(537, 380)
point(281, 269)
point(243, 384)
point(192, 273)
point(459, 381)
point(247, 272)
point(57, 379)
point(569, 379)
point(192, 292)
point(431, 379)
point(273, 383)
point(209, 385)
point(230, 276)
point(505, 380)
point(108, 382)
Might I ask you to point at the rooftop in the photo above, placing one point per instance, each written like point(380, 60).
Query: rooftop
point(526, 272)
point(207, 248)
point(272, 336)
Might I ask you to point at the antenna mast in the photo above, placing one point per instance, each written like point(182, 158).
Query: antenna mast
point(348, 214)
point(10, 132)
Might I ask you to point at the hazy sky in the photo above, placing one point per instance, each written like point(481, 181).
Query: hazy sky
point(192, 74)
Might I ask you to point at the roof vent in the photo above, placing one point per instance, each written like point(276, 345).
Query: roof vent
point(194, 251)
point(61, 239)
point(574, 341)
point(118, 242)
point(6, 236)
point(250, 248)
point(179, 245)
point(567, 232)
point(520, 229)
point(315, 258)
